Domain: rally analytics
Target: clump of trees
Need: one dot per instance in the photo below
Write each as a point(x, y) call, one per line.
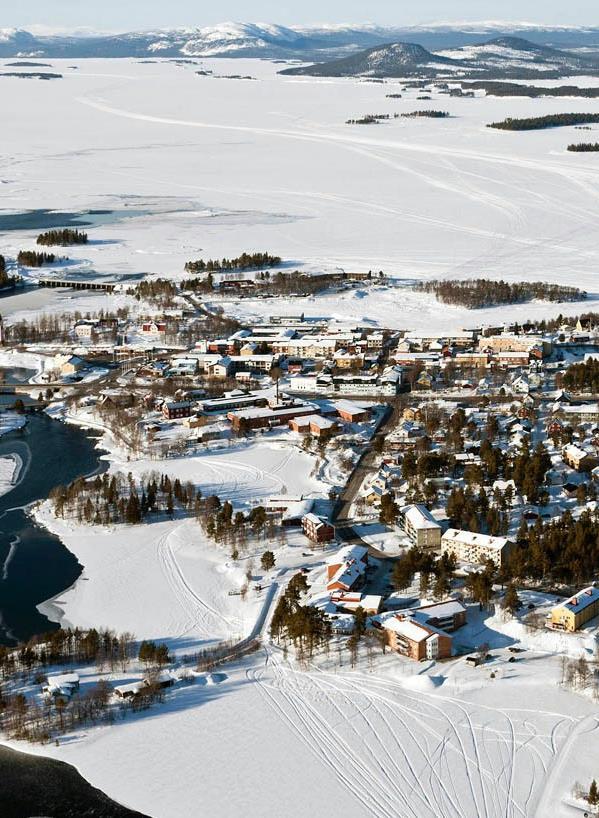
point(62, 238)
point(246, 261)
point(305, 626)
point(584, 147)
point(477, 293)
point(159, 291)
point(234, 528)
point(108, 499)
point(536, 123)
point(435, 574)
point(29, 258)
point(583, 377)
point(368, 119)
point(431, 114)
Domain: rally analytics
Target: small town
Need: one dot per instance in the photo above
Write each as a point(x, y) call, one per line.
point(299, 410)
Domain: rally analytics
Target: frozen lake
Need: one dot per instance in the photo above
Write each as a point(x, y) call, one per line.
point(224, 165)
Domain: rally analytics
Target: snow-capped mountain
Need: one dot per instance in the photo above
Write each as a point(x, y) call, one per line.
point(274, 41)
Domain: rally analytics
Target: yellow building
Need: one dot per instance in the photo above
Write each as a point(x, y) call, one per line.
point(574, 612)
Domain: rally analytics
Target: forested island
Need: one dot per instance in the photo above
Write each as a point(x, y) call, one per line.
point(536, 123)
point(29, 258)
point(584, 147)
point(62, 238)
point(32, 75)
point(431, 114)
point(246, 261)
point(497, 88)
point(478, 293)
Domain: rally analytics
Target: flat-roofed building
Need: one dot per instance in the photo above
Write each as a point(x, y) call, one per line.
point(469, 546)
point(420, 526)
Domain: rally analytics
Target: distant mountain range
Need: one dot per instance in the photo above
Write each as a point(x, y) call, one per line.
point(278, 42)
point(501, 57)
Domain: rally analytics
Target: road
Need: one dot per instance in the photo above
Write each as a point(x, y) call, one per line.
point(363, 468)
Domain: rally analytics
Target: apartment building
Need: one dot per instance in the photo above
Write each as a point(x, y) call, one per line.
point(472, 547)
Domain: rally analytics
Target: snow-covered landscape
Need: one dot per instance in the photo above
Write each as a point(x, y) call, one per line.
point(221, 501)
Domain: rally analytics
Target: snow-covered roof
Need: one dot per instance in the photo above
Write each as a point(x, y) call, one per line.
point(63, 681)
point(472, 538)
point(581, 600)
point(420, 517)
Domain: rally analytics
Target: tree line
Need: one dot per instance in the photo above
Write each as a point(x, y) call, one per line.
point(477, 293)
point(62, 238)
point(512, 89)
point(536, 123)
point(431, 114)
point(246, 261)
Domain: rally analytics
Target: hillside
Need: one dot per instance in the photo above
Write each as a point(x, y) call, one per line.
point(501, 57)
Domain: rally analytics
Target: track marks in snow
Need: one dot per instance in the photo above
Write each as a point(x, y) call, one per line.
point(417, 755)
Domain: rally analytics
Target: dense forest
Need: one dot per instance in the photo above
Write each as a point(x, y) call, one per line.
point(246, 261)
point(431, 114)
point(583, 377)
point(512, 89)
point(536, 123)
point(584, 147)
point(477, 293)
point(62, 238)
point(29, 258)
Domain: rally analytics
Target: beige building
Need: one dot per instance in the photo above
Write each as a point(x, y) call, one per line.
point(472, 547)
point(576, 611)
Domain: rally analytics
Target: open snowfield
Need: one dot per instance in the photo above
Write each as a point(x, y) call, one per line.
point(225, 165)
point(447, 743)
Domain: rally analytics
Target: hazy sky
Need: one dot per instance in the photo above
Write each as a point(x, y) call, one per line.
point(121, 15)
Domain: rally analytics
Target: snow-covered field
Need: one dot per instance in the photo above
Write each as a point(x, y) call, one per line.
point(225, 165)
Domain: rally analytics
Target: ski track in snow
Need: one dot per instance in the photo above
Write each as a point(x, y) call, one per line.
point(419, 755)
point(199, 613)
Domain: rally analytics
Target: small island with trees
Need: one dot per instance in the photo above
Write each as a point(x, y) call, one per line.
point(584, 147)
point(246, 261)
point(62, 238)
point(29, 258)
point(537, 123)
point(478, 293)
